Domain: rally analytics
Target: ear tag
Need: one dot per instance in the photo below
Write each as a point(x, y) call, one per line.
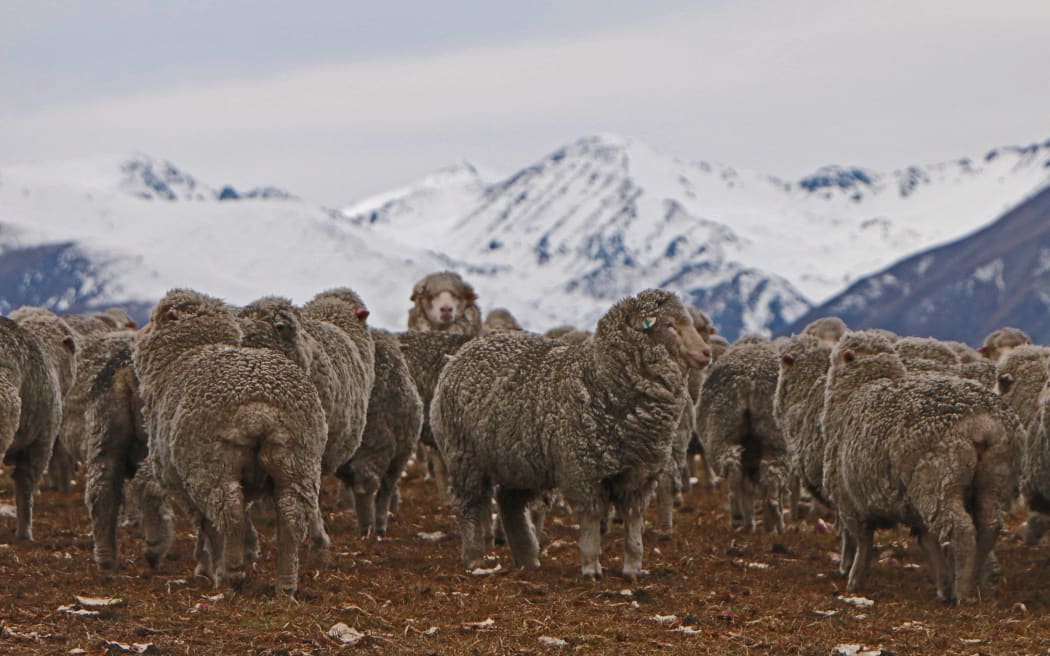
point(648, 323)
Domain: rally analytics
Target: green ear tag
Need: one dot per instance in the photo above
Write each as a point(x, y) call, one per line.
point(647, 323)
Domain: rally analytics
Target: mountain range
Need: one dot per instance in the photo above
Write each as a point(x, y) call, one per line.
point(555, 242)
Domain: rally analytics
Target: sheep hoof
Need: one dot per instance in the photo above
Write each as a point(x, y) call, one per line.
point(105, 564)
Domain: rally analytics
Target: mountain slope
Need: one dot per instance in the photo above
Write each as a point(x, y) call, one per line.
point(110, 231)
point(998, 276)
point(607, 216)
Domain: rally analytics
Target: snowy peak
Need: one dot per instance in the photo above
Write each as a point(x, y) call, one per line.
point(153, 179)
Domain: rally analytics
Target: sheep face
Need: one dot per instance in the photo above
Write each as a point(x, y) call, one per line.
point(669, 325)
point(443, 298)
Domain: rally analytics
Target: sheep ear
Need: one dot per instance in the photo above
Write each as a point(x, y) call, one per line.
point(70, 344)
point(417, 291)
point(648, 323)
point(982, 349)
point(849, 356)
point(787, 360)
point(1005, 380)
point(171, 315)
point(361, 313)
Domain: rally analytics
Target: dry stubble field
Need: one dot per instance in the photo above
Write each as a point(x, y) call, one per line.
point(709, 590)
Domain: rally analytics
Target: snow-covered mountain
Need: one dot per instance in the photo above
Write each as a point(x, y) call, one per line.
point(557, 242)
point(606, 216)
point(109, 230)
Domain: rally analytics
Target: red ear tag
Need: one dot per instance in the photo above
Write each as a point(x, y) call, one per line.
point(361, 313)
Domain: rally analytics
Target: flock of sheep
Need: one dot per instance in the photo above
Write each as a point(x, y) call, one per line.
point(218, 407)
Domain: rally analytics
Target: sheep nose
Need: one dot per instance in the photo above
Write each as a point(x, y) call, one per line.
point(446, 309)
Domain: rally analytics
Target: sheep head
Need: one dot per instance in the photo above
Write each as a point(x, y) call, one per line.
point(443, 297)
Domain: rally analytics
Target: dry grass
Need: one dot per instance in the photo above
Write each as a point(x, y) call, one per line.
point(411, 596)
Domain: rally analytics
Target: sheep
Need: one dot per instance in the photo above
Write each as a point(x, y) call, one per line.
point(1021, 376)
point(829, 329)
point(1000, 342)
point(797, 407)
point(499, 319)
point(741, 436)
point(675, 481)
point(1035, 479)
point(596, 421)
point(30, 413)
point(718, 345)
point(392, 427)
point(343, 379)
point(936, 453)
point(60, 341)
point(444, 302)
point(964, 352)
point(426, 354)
point(227, 424)
point(115, 445)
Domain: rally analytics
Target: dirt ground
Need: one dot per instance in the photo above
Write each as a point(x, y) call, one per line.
point(709, 590)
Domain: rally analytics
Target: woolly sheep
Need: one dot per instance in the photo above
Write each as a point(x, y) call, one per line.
point(60, 342)
point(797, 407)
point(1035, 478)
point(499, 319)
point(718, 346)
point(1000, 342)
point(829, 329)
point(228, 424)
point(1021, 376)
point(114, 444)
point(30, 413)
point(444, 302)
point(739, 433)
point(394, 420)
point(934, 452)
point(595, 421)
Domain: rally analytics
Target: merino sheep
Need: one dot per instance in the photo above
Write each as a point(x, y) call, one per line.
point(798, 405)
point(1021, 376)
point(829, 329)
point(115, 445)
point(444, 302)
point(30, 414)
point(741, 436)
point(499, 319)
point(595, 421)
point(936, 453)
point(60, 341)
point(1035, 478)
point(1000, 342)
point(703, 323)
point(718, 346)
point(228, 424)
point(395, 417)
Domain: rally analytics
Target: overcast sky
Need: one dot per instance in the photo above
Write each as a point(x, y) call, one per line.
point(338, 100)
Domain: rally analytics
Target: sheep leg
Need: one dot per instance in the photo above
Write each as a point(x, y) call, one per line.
point(939, 569)
point(104, 495)
point(521, 536)
point(233, 535)
point(158, 526)
point(772, 514)
point(632, 511)
point(538, 514)
point(61, 469)
point(251, 536)
point(209, 551)
point(384, 503)
point(29, 468)
point(474, 517)
point(441, 479)
point(742, 500)
point(965, 555)
point(847, 548)
point(665, 504)
point(858, 573)
point(318, 534)
point(795, 498)
point(591, 543)
point(365, 504)
point(295, 511)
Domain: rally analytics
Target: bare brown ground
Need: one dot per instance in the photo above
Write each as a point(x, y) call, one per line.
point(737, 594)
